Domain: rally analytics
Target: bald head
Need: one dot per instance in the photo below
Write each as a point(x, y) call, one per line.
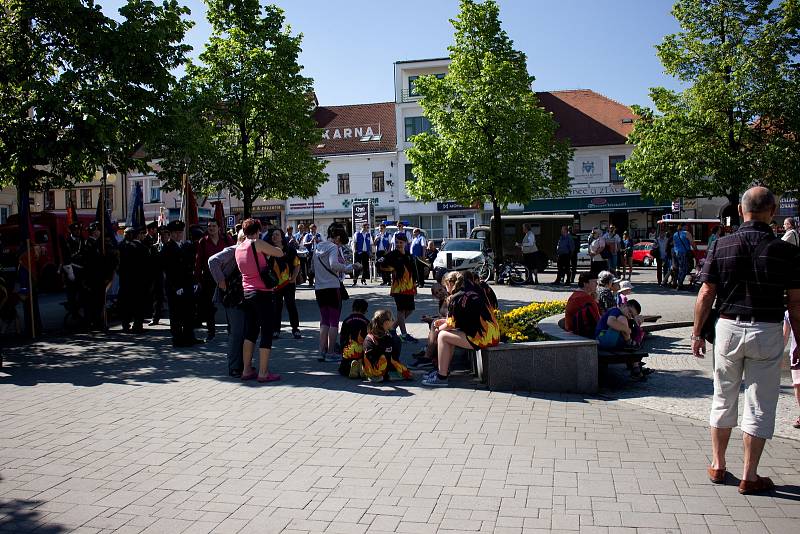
point(758, 203)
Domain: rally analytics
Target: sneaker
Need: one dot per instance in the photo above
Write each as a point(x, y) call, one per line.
point(410, 338)
point(330, 357)
point(363, 282)
point(433, 380)
point(431, 373)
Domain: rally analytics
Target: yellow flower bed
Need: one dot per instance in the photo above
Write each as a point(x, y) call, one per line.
point(521, 324)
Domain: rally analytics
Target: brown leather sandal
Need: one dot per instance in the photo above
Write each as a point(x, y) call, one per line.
point(717, 476)
point(759, 485)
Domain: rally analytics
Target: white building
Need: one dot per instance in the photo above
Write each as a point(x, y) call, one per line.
point(359, 145)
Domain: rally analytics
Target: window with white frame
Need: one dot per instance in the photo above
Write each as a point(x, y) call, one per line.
point(344, 183)
point(378, 183)
point(86, 198)
point(155, 191)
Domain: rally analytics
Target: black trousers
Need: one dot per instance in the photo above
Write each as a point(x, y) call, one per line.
point(287, 294)
point(598, 266)
point(132, 301)
point(420, 271)
point(573, 260)
point(563, 268)
point(157, 294)
point(363, 259)
point(385, 275)
point(181, 316)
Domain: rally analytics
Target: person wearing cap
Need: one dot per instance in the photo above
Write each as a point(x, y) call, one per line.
point(133, 278)
point(623, 292)
point(582, 313)
point(404, 284)
point(178, 258)
point(155, 283)
point(605, 290)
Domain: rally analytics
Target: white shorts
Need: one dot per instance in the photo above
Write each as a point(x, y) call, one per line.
point(753, 352)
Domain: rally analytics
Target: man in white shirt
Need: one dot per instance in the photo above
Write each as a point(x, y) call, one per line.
point(529, 250)
point(790, 235)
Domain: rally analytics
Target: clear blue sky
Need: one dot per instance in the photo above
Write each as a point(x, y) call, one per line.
point(349, 46)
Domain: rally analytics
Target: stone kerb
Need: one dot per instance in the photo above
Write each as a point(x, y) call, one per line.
point(566, 364)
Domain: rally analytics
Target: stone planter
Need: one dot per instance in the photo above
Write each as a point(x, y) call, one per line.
point(567, 363)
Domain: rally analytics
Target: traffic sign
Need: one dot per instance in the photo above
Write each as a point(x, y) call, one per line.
point(231, 221)
point(676, 206)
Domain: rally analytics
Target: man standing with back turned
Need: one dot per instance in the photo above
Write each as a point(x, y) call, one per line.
point(748, 273)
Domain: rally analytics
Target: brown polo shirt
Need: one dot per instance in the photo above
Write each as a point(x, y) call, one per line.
point(752, 269)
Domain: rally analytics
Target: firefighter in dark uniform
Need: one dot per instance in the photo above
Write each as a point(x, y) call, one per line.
point(178, 257)
point(155, 274)
point(94, 279)
point(71, 250)
point(133, 280)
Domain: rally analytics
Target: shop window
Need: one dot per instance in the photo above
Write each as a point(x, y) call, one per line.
point(49, 200)
point(70, 198)
point(155, 191)
point(416, 125)
point(86, 198)
point(612, 168)
point(378, 183)
point(344, 183)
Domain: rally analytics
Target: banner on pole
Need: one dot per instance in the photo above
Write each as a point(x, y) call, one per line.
point(363, 213)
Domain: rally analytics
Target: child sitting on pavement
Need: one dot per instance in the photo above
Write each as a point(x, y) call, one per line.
point(351, 339)
point(382, 351)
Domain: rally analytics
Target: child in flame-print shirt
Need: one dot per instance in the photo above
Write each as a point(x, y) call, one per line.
point(404, 282)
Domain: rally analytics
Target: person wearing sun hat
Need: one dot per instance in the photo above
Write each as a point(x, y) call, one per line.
point(623, 292)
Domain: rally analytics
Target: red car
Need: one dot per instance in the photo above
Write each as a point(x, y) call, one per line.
point(641, 254)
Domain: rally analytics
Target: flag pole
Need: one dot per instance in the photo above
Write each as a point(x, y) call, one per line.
point(30, 290)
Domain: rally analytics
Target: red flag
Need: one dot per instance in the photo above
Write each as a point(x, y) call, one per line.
point(219, 213)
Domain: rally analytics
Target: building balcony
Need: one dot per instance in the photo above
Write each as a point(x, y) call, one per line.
point(408, 96)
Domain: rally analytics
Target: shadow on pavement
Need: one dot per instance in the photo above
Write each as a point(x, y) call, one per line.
point(19, 515)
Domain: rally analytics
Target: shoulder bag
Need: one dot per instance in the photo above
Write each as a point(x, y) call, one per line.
point(234, 294)
point(708, 330)
point(343, 294)
point(267, 275)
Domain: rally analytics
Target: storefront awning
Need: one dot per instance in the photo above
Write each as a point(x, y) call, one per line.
point(599, 203)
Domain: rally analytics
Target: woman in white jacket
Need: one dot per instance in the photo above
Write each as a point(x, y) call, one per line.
point(329, 267)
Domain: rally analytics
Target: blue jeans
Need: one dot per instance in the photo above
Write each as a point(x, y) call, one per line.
point(236, 323)
point(683, 266)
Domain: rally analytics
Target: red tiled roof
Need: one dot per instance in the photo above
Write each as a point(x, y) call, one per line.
point(587, 118)
point(344, 126)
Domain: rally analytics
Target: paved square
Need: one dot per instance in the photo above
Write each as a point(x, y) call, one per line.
point(122, 434)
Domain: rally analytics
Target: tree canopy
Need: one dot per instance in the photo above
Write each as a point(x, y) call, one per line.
point(490, 141)
point(79, 90)
point(738, 119)
point(243, 118)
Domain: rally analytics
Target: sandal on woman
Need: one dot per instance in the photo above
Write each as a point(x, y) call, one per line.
point(269, 378)
point(717, 476)
point(759, 485)
point(249, 376)
point(797, 423)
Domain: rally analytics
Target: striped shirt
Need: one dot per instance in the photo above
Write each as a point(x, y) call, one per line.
point(747, 285)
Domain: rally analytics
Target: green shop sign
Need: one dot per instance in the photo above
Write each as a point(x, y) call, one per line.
point(598, 203)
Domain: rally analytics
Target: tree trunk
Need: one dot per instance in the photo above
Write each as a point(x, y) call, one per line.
point(247, 203)
point(497, 233)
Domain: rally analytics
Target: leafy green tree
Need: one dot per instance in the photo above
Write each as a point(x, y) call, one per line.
point(491, 141)
point(243, 120)
point(79, 90)
point(737, 121)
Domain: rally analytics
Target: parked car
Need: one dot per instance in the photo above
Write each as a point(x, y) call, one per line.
point(641, 254)
point(465, 254)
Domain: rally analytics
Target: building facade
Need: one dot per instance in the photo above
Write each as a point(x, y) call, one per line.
point(359, 145)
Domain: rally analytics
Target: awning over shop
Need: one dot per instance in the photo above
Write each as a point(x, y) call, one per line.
point(599, 203)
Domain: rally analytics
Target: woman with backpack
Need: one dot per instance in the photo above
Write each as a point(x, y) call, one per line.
point(252, 258)
point(286, 270)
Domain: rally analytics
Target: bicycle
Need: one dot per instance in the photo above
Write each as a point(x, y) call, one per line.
point(512, 273)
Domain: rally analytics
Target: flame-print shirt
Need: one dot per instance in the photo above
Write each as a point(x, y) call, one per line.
point(404, 276)
point(469, 311)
